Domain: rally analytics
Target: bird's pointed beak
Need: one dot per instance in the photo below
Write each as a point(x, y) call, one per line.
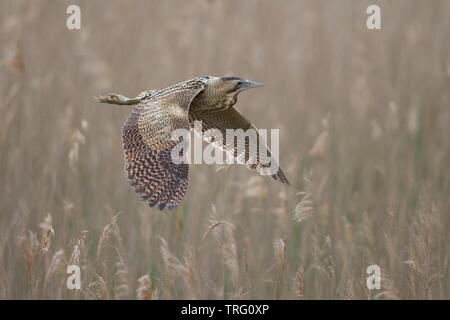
point(247, 84)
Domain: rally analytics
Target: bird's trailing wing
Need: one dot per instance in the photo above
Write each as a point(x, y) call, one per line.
point(251, 155)
point(148, 146)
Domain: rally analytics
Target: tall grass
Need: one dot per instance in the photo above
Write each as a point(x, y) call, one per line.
point(363, 118)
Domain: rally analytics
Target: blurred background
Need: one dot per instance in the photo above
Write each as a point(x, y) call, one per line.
point(364, 139)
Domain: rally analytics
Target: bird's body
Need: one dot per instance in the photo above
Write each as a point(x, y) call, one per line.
point(148, 130)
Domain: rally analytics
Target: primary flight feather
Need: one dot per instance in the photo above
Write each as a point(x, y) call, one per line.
point(157, 113)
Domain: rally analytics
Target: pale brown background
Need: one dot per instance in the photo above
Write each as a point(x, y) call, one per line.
point(364, 131)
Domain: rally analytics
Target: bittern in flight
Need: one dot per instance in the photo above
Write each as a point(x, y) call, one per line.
point(157, 113)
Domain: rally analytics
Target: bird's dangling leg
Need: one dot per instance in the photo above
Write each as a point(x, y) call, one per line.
point(114, 98)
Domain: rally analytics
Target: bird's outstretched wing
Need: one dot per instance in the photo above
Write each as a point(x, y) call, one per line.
point(147, 144)
point(231, 118)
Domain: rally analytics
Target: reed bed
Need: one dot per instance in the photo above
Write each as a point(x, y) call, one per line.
point(364, 139)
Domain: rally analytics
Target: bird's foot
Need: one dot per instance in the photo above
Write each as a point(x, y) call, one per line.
point(114, 98)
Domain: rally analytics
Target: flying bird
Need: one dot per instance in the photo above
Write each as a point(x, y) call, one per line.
point(146, 134)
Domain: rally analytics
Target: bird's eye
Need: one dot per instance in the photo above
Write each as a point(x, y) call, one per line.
point(239, 82)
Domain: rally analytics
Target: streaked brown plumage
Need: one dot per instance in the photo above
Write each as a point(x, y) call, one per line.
point(147, 132)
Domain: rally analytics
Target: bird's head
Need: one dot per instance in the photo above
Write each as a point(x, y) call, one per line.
point(229, 85)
